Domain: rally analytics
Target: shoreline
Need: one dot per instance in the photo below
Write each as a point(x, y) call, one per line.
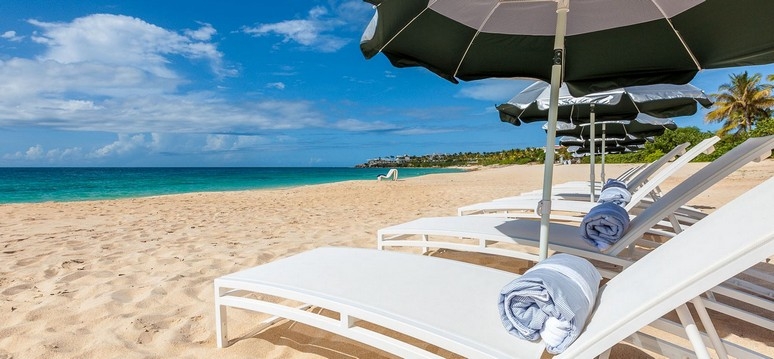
point(55, 184)
point(133, 277)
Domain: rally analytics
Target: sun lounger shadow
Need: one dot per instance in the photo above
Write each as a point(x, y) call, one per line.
point(452, 305)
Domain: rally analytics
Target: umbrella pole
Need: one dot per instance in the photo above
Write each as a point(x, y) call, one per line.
point(562, 7)
point(602, 173)
point(592, 152)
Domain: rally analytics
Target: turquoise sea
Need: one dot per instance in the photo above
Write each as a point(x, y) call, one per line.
point(22, 185)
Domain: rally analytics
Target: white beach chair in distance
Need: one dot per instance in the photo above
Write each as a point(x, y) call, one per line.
point(453, 305)
point(391, 174)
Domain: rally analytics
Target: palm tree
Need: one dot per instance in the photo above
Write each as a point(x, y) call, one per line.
point(741, 103)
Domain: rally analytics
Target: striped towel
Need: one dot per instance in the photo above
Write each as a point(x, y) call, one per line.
point(617, 195)
point(552, 301)
point(614, 183)
point(604, 225)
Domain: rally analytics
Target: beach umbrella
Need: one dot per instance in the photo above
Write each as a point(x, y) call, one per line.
point(592, 45)
point(626, 103)
point(621, 104)
point(599, 143)
point(642, 126)
point(578, 151)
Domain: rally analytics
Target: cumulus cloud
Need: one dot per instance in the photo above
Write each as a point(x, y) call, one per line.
point(120, 74)
point(204, 33)
point(125, 41)
point(39, 154)
point(362, 126)
point(116, 73)
point(315, 30)
point(276, 85)
point(11, 36)
point(139, 145)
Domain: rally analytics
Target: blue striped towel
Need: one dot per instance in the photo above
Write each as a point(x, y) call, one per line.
point(617, 195)
point(614, 183)
point(551, 301)
point(604, 225)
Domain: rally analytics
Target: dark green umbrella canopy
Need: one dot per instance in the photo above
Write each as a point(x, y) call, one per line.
point(608, 142)
point(644, 126)
point(608, 44)
point(660, 100)
point(584, 151)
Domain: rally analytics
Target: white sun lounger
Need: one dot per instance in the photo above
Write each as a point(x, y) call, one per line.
point(453, 305)
point(563, 237)
point(518, 238)
point(527, 206)
point(657, 171)
point(581, 188)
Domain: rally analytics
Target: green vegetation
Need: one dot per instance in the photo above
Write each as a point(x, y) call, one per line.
point(745, 106)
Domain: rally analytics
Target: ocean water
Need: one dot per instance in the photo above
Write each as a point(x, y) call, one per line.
point(24, 185)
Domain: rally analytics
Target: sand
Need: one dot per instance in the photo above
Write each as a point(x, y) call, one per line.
point(133, 278)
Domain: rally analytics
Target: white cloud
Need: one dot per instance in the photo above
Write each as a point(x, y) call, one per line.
point(204, 33)
point(38, 154)
point(312, 32)
point(11, 36)
point(362, 126)
point(114, 73)
point(34, 153)
point(124, 41)
point(124, 145)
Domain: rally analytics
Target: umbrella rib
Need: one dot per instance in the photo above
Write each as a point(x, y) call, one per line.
point(470, 43)
point(403, 28)
point(478, 30)
point(677, 33)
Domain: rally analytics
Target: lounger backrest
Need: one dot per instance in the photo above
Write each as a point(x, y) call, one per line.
point(752, 149)
point(641, 177)
point(727, 242)
point(705, 146)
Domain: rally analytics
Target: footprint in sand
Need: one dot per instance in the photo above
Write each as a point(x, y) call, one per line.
point(17, 289)
point(122, 296)
point(27, 261)
point(51, 272)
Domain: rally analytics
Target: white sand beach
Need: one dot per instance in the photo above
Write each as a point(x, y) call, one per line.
point(133, 278)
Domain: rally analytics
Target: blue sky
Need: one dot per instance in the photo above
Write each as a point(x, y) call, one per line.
point(232, 83)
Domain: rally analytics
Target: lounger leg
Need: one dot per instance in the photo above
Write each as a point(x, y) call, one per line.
point(709, 328)
point(675, 224)
point(692, 331)
point(221, 332)
point(425, 238)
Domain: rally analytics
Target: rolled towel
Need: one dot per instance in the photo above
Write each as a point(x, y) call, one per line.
point(614, 183)
point(617, 195)
point(604, 225)
point(551, 301)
